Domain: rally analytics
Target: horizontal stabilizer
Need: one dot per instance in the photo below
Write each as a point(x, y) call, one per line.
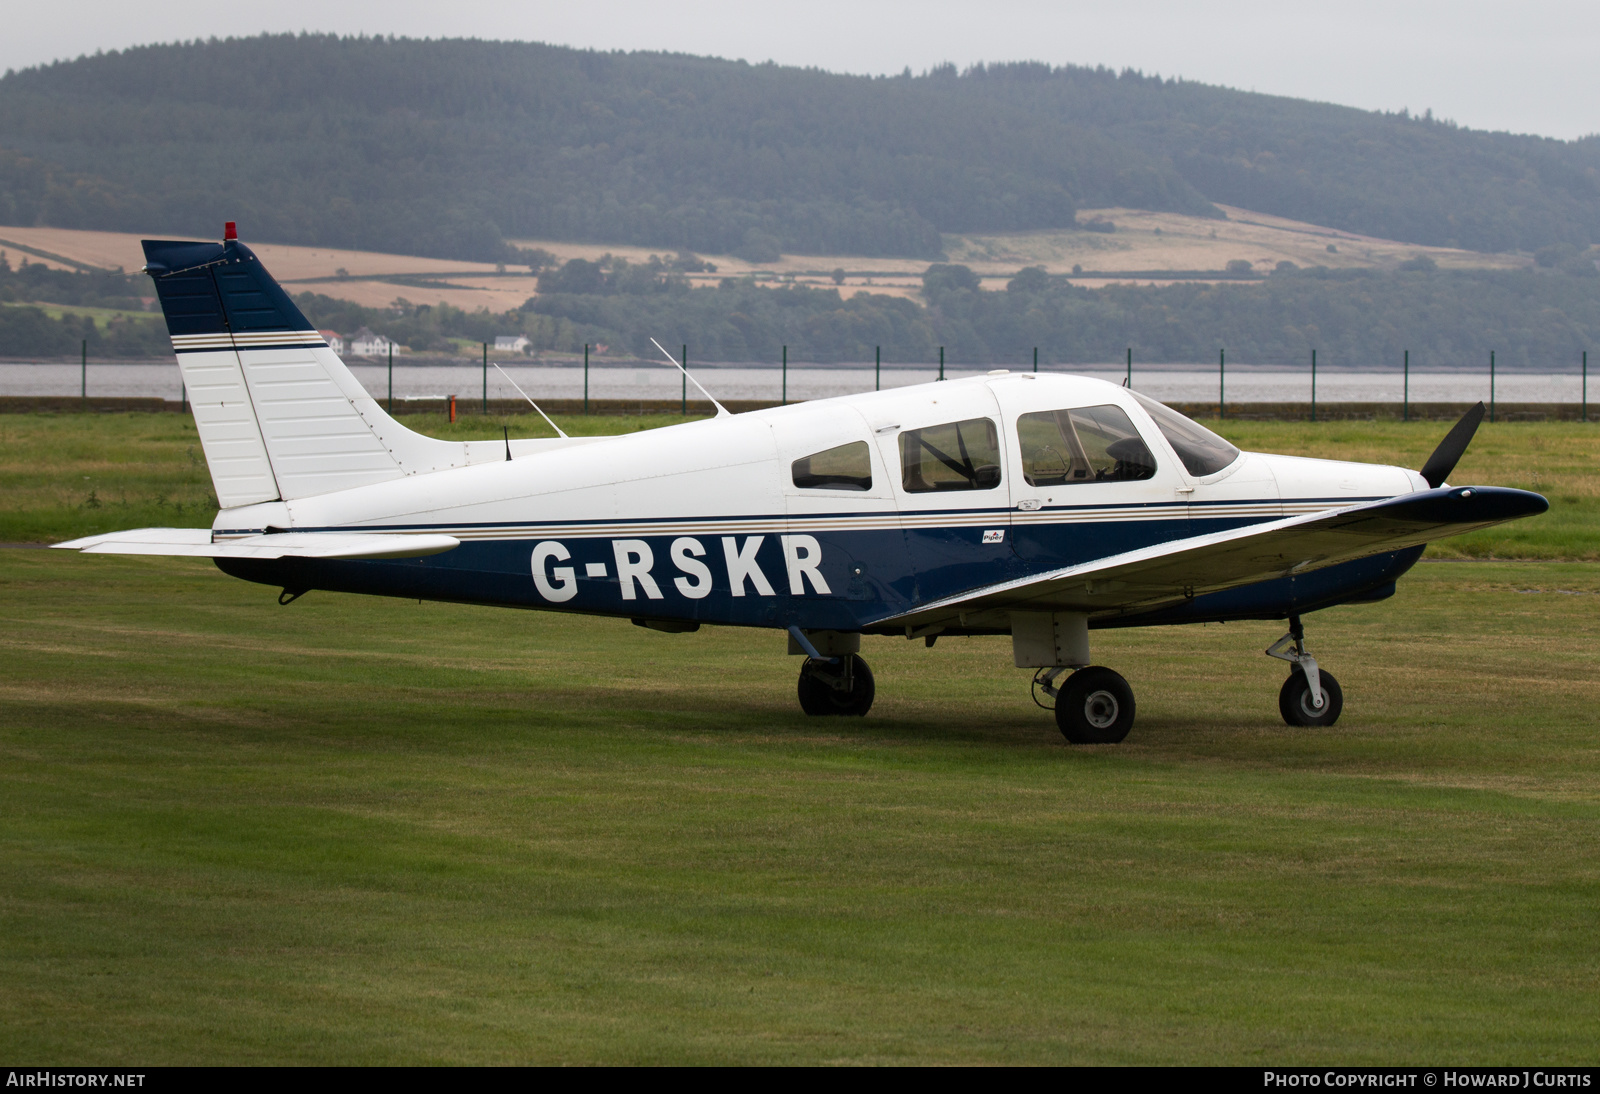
point(1177, 571)
point(196, 542)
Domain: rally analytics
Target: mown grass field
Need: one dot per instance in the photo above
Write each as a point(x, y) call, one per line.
point(373, 831)
point(364, 831)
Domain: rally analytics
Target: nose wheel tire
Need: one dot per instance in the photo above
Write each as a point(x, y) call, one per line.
point(835, 689)
point(1294, 700)
point(1094, 707)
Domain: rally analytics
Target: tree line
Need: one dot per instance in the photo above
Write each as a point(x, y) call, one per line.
point(30, 331)
point(1535, 318)
point(1542, 317)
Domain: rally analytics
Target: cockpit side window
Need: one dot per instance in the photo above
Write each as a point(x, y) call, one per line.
point(1085, 444)
point(1202, 451)
point(847, 467)
point(958, 456)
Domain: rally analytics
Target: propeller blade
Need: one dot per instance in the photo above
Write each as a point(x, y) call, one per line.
point(1452, 448)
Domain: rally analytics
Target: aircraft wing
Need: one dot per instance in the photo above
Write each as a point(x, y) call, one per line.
point(1173, 572)
point(197, 542)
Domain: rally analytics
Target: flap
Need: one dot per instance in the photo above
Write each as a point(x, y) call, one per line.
point(196, 542)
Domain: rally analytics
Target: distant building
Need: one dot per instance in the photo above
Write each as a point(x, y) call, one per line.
point(518, 344)
point(334, 339)
point(364, 343)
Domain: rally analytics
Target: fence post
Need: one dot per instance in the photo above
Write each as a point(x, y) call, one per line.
point(1036, 360)
point(877, 368)
point(941, 362)
point(1222, 392)
point(486, 378)
point(1405, 396)
point(1128, 383)
point(586, 379)
point(84, 378)
point(785, 375)
point(683, 380)
point(391, 377)
point(1313, 385)
point(1586, 385)
point(1491, 385)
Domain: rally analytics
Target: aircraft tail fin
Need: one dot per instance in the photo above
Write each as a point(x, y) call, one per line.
point(279, 414)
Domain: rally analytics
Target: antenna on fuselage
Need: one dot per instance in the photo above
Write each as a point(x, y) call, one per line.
point(531, 403)
point(722, 411)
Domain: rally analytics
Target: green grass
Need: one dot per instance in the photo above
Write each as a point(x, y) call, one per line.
point(1560, 460)
point(67, 475)
point(368, 831)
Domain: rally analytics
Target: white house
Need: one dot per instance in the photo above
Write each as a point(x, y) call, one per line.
point(518, 344)
point(334, 339)
point(364, 343)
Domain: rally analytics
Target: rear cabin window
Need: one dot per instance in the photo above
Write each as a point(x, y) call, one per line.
point(1202, 451)
point(959, 456)
point(1085, 444)
point(848, 467)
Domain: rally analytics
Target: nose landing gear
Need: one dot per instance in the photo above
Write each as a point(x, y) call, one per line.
point(1310, 697)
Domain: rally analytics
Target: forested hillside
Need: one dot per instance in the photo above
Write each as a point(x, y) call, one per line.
point(450, 148)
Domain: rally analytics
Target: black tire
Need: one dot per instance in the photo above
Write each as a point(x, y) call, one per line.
point(818, 696)
point(1095, 707)
point(1294, 700)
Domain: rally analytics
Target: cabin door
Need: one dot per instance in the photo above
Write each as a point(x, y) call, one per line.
point(1089, 481)
point(948, 456)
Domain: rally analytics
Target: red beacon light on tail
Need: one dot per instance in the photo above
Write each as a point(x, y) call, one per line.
point(230, 231)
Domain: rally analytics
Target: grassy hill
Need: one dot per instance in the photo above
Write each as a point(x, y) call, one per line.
point(450, 148)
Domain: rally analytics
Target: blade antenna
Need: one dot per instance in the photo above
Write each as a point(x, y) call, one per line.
point(1452, 448)
point(722, 411)
point(524, 394)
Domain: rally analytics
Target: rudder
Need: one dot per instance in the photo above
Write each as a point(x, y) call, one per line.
point(279, 415)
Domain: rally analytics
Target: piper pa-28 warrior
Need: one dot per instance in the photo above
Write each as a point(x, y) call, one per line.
point(1040, 507)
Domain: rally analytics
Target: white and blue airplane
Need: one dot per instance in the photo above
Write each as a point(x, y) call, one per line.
point(1042, 507)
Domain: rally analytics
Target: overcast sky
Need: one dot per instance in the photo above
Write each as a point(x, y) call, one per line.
point(1531, 67)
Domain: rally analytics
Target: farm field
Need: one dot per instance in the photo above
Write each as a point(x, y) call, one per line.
point(356, 830)
point(1143, 241)
point(68, 475)
point(1172, 241)
point(101, 316)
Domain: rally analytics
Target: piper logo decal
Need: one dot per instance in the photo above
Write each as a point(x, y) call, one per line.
point(994, 535)
point(635, 562)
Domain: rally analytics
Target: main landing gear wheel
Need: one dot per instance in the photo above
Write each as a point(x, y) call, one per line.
point(1296, 705)
point(1094, 707)
point(843, 687)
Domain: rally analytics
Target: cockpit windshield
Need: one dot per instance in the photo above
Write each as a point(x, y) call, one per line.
point(1202, 451)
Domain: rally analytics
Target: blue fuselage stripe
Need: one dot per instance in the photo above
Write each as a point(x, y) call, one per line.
point(755, 578)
